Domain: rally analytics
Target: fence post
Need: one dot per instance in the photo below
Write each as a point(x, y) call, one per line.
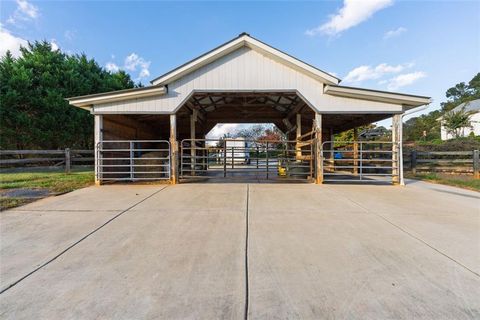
point(476, 164)
point(413, 162)
point(67, 160)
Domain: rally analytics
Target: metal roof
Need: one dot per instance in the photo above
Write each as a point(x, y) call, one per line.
point(470, 106)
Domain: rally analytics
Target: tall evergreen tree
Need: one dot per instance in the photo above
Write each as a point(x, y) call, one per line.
point(33, 111)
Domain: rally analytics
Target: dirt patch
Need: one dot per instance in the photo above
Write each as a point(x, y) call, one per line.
point(25, 193)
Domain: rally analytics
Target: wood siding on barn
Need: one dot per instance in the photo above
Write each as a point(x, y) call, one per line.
point(246, 70)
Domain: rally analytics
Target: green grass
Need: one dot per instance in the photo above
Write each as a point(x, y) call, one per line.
point(55, 182)
point(462, 181)
point(9, 202)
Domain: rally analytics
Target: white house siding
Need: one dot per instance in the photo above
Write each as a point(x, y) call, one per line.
point(246, 69)
point(464, 132)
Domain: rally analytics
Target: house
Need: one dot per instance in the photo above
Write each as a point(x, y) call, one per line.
point(473, 107)
point(159, 131)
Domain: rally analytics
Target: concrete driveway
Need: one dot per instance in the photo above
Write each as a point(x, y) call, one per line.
point(232, 251)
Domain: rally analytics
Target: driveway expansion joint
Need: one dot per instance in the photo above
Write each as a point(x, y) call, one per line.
point(246, 256)
point(76, 243)
point(413, 236)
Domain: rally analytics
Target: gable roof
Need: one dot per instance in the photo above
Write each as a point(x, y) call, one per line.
point(88, 100)
point(244, 39)
point(409, 100)
point(470, 106)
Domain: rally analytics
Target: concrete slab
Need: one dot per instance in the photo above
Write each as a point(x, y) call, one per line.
point(447, 218)
point(315, 263)
point(332, 251)
point(149, 263)
point(30, 238)
point(103, 198)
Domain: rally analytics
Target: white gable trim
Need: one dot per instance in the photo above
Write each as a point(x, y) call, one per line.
point(252, 43)
point(375, 95)
point(88, 101)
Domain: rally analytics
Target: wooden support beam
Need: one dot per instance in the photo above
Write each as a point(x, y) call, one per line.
point(355, 151)
point(193, 152)
point(174, 150)
point(298, 149)
point(318, 149)
point(332, 146)
point(297, 109)
point(98, 133)
point(396, 142)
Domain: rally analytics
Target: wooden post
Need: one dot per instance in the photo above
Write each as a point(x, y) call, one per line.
point(224, 158)
point(318, 149)
point(355, 151)
point(193, 151)
point(67, 160)
point(332, 145)
point(476, 164)
point(174, 149)
point(299, 133)
point(266, 156)
point(413, 162)
point(98, 134)
point(396, 141)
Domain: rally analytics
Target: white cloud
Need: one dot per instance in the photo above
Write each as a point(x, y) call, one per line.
point(133, 63)
point(221, 129)
point(394, 33)
point(54, 45)
point(365, 72)
point(25, 11)
point(351, 14)
point(10, 43)
point(69, 35)
point(112, 67)
point(404, 80)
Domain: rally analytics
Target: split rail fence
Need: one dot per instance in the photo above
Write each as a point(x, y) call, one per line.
point(465, 162)
point(52, 158)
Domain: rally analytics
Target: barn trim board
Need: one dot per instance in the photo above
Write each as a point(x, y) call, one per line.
point(243, 81)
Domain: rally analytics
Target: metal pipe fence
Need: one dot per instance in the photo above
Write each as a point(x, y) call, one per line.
point(366, 161)
point(133, 160)
point(235, 158)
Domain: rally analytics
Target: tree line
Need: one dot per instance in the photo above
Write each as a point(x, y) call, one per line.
point(33, 111)
point(35, 115)
point(427, 126)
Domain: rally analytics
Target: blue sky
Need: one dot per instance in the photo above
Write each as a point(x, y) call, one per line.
point(418, 47)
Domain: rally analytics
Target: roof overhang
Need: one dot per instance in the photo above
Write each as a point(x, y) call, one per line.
point(252, 43)
point(86, 102)
point(407, 100)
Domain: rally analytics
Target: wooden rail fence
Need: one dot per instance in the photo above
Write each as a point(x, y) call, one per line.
point(66, 157)
point(444, 161)
point(415, 161)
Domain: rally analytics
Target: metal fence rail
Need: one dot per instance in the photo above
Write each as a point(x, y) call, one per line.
point(233, 158)
point(133, 160)
point(366, 161)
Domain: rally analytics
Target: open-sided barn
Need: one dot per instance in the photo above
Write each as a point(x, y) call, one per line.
point(159, 131)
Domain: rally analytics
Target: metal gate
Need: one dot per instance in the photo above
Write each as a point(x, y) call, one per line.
point(133, 160)
point(366, 161)
point(246, 158)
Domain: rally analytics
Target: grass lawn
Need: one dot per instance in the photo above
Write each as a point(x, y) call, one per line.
point(456, 180)
point(53, 182)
